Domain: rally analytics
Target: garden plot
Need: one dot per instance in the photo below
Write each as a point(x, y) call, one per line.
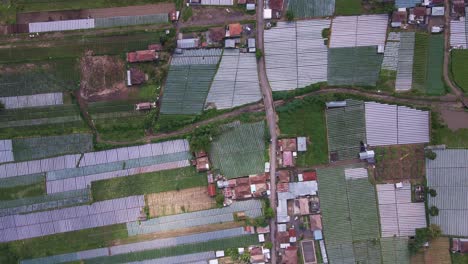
point(350, 217)
point(435, 63)
point(42, 147)
point(23, 226)
point(35, 100)
point(404, 78)
point(295, 54)
point(240, 150)
point(236, 81)
point(6, 151)
point(392, 124)
point(395, 250)
point(398, 215)
point(354, 66)
point(346, 130)
point(252, 209)
point(312, 8)
point(122, 162)
point(358, 31)
point(458, 36)
point(177, 202)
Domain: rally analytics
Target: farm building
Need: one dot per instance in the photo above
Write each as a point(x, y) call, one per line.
point(307, 176)
point(399, 18)
point(418, 15)
point(460, 245)
point(145, 106)
point(135, 76)
point(287, 144)
point(142, 56)
point(399, 216)
point(293, 191)
point(283, 175)
point(407, 3)
point(301, 144)
point(290, 256)
point(404, 76)
point(35, 100)
point(216, 35)
point(315, 222)
point(447, 174)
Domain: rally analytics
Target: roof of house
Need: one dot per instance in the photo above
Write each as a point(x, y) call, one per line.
point(211, 189)
point(276, 5)
point(242, 191)
point(439, 2)
point(283, 175)
point(142, 55)
point(304, 208)
point(203, 164)
point(156, 47)
point(290, 256)
point(287, 144)
point(460, 245)
point(315, 222)
point(438, 11)
point(399, 16)
point(243, 180)
point(282, 187)
point(419, 11)
point(292, 232)
point(283, 237)
point(288, 159)
point(263, 230)
point(235, 29)
point(229, 43)
point(137, 76)
point(188, 43)
point(309, 175)
point(256, 179)
point(241, 2)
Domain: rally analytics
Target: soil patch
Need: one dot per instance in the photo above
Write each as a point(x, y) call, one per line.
point(102, 78)
point(215, 16)
point(399, 162)
point(438, 252)
point(177, 202)
point(455, 119)
point(25, 18)
point(21, 68)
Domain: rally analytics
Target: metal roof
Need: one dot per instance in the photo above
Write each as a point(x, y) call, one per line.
point(6, 151)
point(34, 100)
point(188, 43)
point(358, 31)
point(407, 3)
point(218, 2)
point(61, 25)
point(448, 175)
point(301, 144)
point(398, 215)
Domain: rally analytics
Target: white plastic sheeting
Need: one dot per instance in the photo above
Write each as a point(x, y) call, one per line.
point(458, 34)
point(109, 212)
point(404, 78)
point(358, 31)
point(390, 60)
point(391, 125)
point(196, 57)
point(295, 54)
point(398, 215)
point(6, 151)
point(236, 81)
point(218, 2)
point(34, 100)
point(61, 25)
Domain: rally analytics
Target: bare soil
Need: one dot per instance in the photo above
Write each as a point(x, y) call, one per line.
point(438, 252)
point(215, 16)
point(102, 78)
point(177, 202)
point(400, 162)
point(455, 119)
point(24, 18)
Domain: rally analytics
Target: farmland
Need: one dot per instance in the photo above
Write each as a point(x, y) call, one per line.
point(18, 192)
point(154, 182)
point(460, 69)
point(312, 8)
point(306, 118)
point(420, 61)
point(29, 6)
point(348, 7)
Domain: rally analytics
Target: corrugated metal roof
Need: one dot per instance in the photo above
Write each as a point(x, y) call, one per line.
point(218, 2)
point(358, 31)
point(458, 35)
point(448, 175)
point(407, 3)
point(61, 25)
point(357, 173)
point(6, 151)
point(188, 43)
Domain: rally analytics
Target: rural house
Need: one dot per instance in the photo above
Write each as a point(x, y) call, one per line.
point(142, 56)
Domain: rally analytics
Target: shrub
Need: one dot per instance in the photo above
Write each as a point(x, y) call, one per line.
point(233, 253)
point(268, 245)
point(1, 106)
point(326, 33)
point(259, 54)
point(269, 213)
point(201, 137)
point(290, 15)
point(219, 200)
point(187, 14)
point(432, 192)
point(434, 211)
point(430, 154)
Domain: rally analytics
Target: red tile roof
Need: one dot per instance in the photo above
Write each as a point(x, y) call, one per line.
point(255, 179)
point(142, 55)
point(282, 187)
point(292, 232)
point(156, 47)
point(309, 176)
point(211, 190)
point(283, 175)
point(235, 30)
point(276, 5)
point(419, 11)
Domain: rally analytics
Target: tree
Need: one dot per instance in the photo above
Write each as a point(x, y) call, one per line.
point(433, 211)
point(268, 245)
point(201, 138)
point(219, 200)
point(269, 213)
point(290, 15)
point(233, 253)
point(430, 154)
point(432, 192)
point(259, 54)
point(245, 257)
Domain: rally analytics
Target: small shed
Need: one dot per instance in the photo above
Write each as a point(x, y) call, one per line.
point(460, 245)
point(145, 106)
point(301, 144)
point(261, 238)
point(230, 43)
point(399, 18)
point(315, 222)
point(267, 13)
point(250, 7)
point(438, 11)
point(251, 44)
point(234, 30)
point(190, 43)
point(318, 235)
point(283, 175)
point(309, 175)
point(290, 256)
point(202, 164)
point(219, 253)
point(287, 144)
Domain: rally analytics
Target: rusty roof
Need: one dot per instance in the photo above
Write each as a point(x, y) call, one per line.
point(255, 179)
point(419, 11)
point(276, 5)
point(309, 176)
point(288, 159)
point(288, 144)
point(235, 30)
point(142, 55)
point(315, 222)
point(283, 175)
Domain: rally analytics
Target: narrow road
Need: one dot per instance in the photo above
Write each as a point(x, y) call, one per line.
point(271, 120)
point(455, 89)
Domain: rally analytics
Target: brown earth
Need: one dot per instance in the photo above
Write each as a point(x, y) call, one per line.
point(215, 16)
point(102, 78)
point(437, 253)
point(399, 162)
point(178, 232)
point(177, 202)
point(455, 119)
point(24, 18)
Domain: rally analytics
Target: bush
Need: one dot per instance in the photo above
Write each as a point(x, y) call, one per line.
point(432, 192)
point(326, 33)
point(219, 200)
point(269, 213)
point(1, 106)
point(233, 253)
point(290, 15)
point(268, 245)
point(259, 54)
point(200, 139)
point(430, 154)
point(433, 211)
point(187, 14)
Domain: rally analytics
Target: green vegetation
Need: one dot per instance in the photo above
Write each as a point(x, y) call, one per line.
point(306, 118)
point(290, 15)
point(219, 244)
point(284, 95)
point(387, 80)
point(441, 134)
point(422, 236)
point(187, 13)
point(433, 211)
point(63, 243)
point(459, 68)
point(179, 4)
point(430, 154)
point(326, 33)
point(18, 192)
point(7, 12)
point(154, 182)
point(435, 64)
point(121, 129)
point(348, 7)
point(459, 258)
point(258, 54)
point(420, 61)
point(44, 130)
point(200, 139)
point(49, 5)
point(432, 192)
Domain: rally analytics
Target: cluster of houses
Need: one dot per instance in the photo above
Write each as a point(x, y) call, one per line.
point(288, 148)
point(429, 14)
point(258, 254)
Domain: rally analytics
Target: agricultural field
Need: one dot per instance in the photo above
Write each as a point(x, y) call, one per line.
point(43, 147)
point(399, 162)
point(49, 5)
point(459, 258)
point(460, 69)
point(154, 182)
point(23, 191)
point(306, 118)
point(441, 134)
point(240, 149)
point(428, 64)
point(348, 7)
point(179, 201)
point(420, 61)
point(311, 8)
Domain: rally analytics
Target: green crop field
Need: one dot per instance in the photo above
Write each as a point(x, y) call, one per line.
point(395, 250)
point(435, 64)
point(240, 150)
point(348, 7)
point(311, 8)
point(459, 258)
point(154, 182)
point(18, 192)
point(460, 68)
point(63, 243)
point(49, 5)
point(420, 61)
point(219, 244)
point(306, 118)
